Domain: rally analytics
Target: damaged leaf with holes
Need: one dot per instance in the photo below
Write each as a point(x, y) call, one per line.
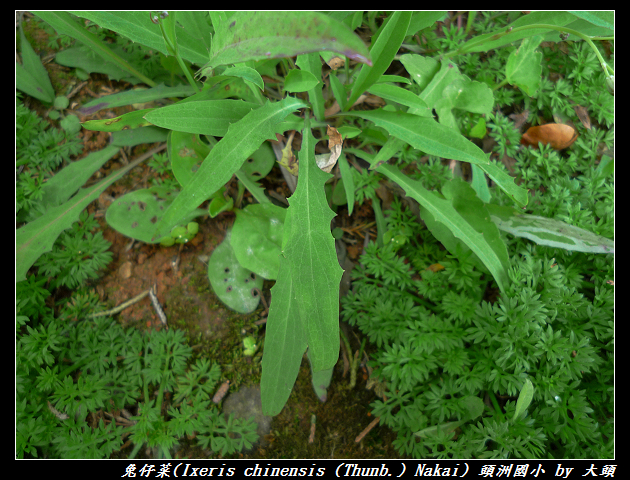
point(136, 214)
point(235, 285)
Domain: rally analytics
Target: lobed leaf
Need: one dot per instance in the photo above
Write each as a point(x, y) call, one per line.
point(305, 308)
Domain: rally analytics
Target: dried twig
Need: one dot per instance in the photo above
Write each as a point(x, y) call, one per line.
point(367, 429)
point(311, 437)
point(157, 306)
point(120, 307)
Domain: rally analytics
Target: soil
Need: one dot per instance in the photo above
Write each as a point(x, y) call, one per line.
point(213, 330)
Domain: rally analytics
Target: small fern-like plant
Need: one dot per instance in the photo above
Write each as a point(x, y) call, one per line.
point(73, 378)
point(438, 342)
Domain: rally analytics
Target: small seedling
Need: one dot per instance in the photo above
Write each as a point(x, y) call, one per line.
point(249, 346)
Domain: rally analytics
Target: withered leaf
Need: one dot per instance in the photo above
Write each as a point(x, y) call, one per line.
point(335, 142)
point(336, 62)
point(582, 114)
point(557, 135)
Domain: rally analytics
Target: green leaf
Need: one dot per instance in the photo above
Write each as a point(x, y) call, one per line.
point(348, 181)
point(425, 134)
point(299, 81)
point(402, 96)
point(305, 307)
point(490, 41)
point(246, 73)
point(129, 138)
point(260, 35)
point(434, 139)
point(84, 60)
point(233, 284)
point(136, 213)
point(66, 182)
point(127, 121)
point(311, 64)
point(604, 19)
point(241, 140)
point(444, 88)
point(443, 78)
point(38, 236)
point(421, 69)
point(62, 22)
point(257, 238)
point(211, 117)
point(464, 200)
point(31, 77)
point(444, 212)
point(421, 20)
point(463, 94)
point(137, 26)
point(186, 152)
point(524, 399)
point(506, 183)
point(524, 68)
point(139, 95)
point(383, 52)
point(549, 232)
point(479, 130)
point(339, 90)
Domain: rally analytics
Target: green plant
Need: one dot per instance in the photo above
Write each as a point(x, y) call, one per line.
point(304, 311)
point(66, 370)
point(438, 344)
point(78, 254)
point(40, 150)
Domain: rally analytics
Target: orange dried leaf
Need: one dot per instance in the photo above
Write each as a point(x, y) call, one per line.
point(557, 135)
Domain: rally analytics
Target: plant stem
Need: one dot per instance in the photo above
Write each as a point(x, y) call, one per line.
point(496, 406)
